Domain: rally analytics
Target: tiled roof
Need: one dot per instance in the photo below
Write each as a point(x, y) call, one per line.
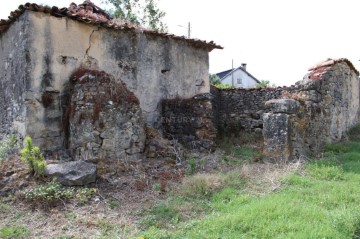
point(223, 73)
point(89, 13)
point(321, 68)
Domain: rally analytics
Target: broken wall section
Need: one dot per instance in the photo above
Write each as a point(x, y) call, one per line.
point(103, 119)
point(242, 109)
point(190, 121)
point(324, 107)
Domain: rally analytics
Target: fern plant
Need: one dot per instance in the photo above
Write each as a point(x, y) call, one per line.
point(33, 157)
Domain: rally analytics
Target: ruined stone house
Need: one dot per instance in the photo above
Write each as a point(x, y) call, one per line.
point(75, 78)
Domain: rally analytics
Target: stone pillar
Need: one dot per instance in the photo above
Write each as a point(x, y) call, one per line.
point(277, 147)
point(276, 129)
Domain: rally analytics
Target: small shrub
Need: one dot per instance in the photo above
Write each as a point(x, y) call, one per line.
point(114, 203)
point(201, 186)
point(34, 158)
point(234, 180)
point(156, 187)
point(192, 166)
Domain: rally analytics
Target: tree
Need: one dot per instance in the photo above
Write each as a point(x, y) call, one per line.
point(144, 12)
point(214, 79)
point(264, 84)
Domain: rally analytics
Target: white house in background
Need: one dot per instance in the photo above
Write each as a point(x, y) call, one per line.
point(238, 77)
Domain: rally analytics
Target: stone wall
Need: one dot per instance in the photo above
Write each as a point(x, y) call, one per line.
point(103, 118)
point(14, 78)
point(190, 121)
point(41, 52)
point(242, 109)
point(324, 107)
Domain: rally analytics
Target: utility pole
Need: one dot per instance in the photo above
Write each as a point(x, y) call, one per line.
point(188, 29)
point(232, 72)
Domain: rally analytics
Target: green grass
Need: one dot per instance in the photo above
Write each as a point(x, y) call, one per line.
point(14, 232)
point(323, 201)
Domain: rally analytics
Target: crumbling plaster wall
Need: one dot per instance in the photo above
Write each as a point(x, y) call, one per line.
point(152, 67)
point(14, 75)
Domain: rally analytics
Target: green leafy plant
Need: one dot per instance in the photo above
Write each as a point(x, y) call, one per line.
point(84, 194)
point(156, 187)
point(49, 192)
point(114, 203)
point(53, 192)
point(34, 158)
point(192, 166)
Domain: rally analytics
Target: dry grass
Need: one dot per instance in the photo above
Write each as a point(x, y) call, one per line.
point(263, 178)
point(201, 185)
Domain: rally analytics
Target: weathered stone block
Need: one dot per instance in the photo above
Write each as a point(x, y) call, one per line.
point(287, 106)
point(276, 137)
point(75, 173)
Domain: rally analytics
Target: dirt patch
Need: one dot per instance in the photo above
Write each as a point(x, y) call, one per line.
point(124, 191)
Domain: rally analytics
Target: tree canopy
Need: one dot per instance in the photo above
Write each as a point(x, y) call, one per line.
point(264, 84)
point(142, 12)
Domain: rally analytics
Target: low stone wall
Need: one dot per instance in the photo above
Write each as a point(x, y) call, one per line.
point(323, 108)
point(190, 121)
point(242, 109)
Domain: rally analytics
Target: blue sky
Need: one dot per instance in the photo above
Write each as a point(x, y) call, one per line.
point(279, 39)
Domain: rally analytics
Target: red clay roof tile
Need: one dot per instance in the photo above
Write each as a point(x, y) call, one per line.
point(321, 68)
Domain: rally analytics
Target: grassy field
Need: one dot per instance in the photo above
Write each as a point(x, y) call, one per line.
point(319, 199)
point(240, 198)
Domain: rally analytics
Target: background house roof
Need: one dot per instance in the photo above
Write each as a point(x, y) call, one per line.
point(224, 74)
point(89, 13)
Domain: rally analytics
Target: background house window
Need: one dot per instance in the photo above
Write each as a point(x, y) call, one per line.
point(239, 81)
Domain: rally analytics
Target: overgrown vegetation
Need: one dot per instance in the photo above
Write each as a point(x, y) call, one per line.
point(317, 199)
point(33, 157)
point(240, 198)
